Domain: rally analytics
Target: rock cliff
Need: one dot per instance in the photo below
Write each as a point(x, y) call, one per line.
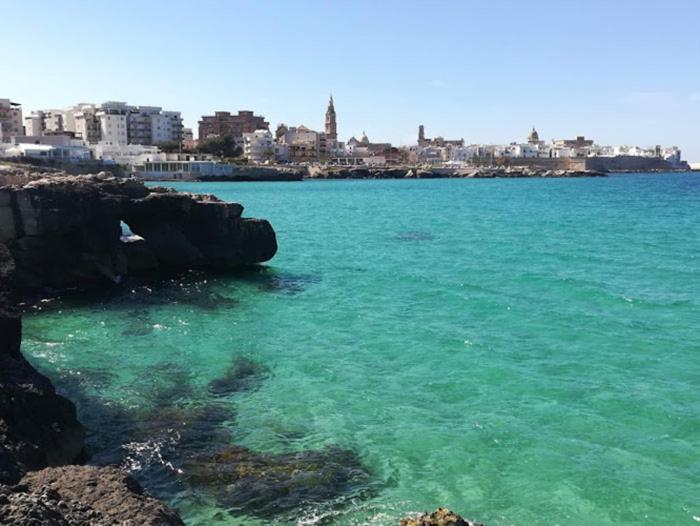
point(68, 231)
point(60, 231)
point(38, 428)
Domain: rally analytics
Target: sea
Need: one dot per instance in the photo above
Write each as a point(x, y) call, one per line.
point(524, 352)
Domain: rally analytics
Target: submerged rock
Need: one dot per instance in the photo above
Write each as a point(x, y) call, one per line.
point(104, 495)
point(440, 517)
point(269, 484)
point(414, 235)
point(243, 375)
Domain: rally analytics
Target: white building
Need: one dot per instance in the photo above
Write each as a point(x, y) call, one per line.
point(10, 120)
point(281, 153)
point(258, 146)
point(180, 167)
point(464, 153)
point(126, 155)
point(69, 153)
point(112, 119)
point(34, 123)
point(85, 121)
point(110, 122)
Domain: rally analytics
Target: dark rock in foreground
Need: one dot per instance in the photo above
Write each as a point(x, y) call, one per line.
point(440, 517)
point(80, 495)
point(268, 484)
point(65, 231)
point(38, 428)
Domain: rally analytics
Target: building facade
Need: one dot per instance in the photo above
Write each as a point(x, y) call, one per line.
point(258, 146)
point(223, 123)
point(112, 122)
point(10, 120)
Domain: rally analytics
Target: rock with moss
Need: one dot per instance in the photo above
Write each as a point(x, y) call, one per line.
point(268, 484)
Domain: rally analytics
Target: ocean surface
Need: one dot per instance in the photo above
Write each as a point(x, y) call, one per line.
point(525, 352)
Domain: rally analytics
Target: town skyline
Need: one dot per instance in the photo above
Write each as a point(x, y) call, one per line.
point(388, 72)
point(193, 123)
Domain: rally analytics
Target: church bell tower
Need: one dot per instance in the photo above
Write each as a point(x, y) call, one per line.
point(331, 126)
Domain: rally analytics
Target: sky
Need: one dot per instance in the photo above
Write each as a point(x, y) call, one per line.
point(620, 72)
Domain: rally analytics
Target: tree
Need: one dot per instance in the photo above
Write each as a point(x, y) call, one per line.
point(224, 146)
point(169, 146)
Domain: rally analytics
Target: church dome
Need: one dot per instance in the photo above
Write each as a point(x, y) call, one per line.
point(364, 139)
point(534, 136)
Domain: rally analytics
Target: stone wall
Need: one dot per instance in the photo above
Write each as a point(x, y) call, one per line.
point(628, 162)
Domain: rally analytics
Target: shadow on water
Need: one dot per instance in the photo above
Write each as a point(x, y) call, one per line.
point(269, 279)
point(193, 288)
point(136, 295)
point(414, 235)
point(180, 442)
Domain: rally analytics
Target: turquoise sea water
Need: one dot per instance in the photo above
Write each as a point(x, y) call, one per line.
point(525, 352)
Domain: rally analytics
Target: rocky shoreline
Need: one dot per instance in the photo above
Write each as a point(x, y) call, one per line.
point(59, 231)
point(445, 173)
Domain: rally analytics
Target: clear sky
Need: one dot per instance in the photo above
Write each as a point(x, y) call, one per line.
point(618, 71)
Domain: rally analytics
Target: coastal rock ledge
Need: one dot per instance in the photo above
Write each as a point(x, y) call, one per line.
point(81, 495)
point(69, 231)
point(440, 517)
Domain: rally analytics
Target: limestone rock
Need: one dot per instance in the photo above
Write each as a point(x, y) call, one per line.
point(440, 517)
point(102, 495)
point(44, 507)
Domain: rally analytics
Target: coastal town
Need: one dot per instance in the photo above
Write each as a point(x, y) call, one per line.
point(152, 143)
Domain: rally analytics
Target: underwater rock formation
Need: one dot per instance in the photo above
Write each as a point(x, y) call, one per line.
point(268, 484)
point(243, 375)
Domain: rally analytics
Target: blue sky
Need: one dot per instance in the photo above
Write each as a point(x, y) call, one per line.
point(618, 71)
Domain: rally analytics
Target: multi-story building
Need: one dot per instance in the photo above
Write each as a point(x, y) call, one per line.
point(258, 146)
point(34, 124)
point(86, 123)
point(188, 141)
point(113, 122)
point(223, 123)
point(303, 144)
point(166, 126)
point(10, 120)
point(113, 118)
